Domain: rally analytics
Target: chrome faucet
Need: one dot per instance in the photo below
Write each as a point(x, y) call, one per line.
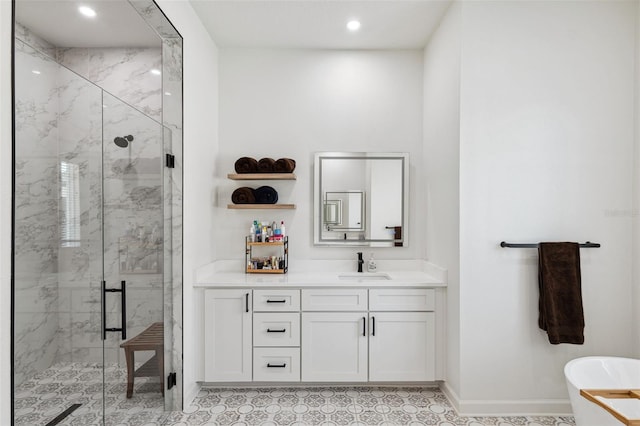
point(360, 261)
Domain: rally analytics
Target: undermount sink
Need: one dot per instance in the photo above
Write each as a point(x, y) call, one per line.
point(364, 276)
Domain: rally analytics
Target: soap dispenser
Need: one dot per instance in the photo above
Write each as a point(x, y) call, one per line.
point(371, 265)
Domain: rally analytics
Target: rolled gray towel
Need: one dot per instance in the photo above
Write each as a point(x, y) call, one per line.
point(284, 165)
point(246, 165)
point(266, 195)
point(243, 195)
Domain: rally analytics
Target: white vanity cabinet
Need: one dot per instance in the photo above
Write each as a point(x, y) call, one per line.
point(339, 335)
point(390, 338)
point(401, 335)
point(227, 340)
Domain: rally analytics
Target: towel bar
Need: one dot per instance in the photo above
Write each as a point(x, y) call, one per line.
point(588, 244)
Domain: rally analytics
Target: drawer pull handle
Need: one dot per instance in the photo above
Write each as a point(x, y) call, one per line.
point(246, 301)
point(373, 322)
point(277, 365)
point(276, 301)
point(364, 326)
point(276, 331)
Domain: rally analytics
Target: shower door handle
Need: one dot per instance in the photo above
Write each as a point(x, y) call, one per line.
point(123, 292)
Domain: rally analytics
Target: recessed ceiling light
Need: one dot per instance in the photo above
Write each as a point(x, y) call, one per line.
point(87, 11)
point(155, 71)
point(167, 93)
point(353, 25)
point(36, 72)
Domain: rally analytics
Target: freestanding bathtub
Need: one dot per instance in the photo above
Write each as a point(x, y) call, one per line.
point(599, 372)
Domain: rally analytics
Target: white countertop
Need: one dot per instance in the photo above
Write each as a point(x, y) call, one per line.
point(322, 274)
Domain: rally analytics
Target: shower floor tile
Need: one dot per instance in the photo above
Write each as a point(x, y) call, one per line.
point(46, 395)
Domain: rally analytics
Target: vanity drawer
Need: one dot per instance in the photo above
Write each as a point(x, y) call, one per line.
point(276, 329)
point(276, 364)
point(387, 299)
point(276, 300)
point(334, 299)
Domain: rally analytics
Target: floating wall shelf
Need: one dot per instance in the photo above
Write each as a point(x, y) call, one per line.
point(262, 176)
point(261, 206)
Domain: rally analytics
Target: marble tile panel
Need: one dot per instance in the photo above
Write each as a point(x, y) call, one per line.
point(27, 36)
point(35, 342)
point(123, 72)
point(154, 18)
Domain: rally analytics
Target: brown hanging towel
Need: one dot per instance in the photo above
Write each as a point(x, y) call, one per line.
point(560, 305)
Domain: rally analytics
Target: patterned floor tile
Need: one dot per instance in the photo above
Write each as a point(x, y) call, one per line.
point(40, 399)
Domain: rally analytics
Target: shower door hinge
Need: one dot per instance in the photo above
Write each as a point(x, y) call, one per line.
point(171, 161)
point(171, 380)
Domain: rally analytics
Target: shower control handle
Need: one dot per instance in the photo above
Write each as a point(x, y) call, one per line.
point(123, 292)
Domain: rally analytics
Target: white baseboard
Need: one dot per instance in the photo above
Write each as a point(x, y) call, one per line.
point(528, 407)
point(190, 394)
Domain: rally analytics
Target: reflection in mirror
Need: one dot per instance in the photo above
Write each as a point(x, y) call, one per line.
point(344, 211)
point(361, 199)
point(332, 212)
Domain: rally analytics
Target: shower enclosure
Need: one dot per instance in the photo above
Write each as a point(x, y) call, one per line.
point(97, 220)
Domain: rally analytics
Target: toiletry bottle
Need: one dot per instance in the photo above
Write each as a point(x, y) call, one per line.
point(258, 232)
point(282, 230)
point(371, 266)
point(277, 232)
point(252, 233)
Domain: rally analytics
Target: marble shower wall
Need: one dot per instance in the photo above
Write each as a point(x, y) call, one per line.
point(80, 262)
point(133, 219)
point(123, 72)
point(36, 197)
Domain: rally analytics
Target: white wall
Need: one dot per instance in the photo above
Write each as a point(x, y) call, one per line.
point(292, 103)
point(200, 56)
point(547, 144)
point(441, 165)
point(6, 108)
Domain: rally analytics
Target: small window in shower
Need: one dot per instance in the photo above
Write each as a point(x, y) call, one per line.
point(69, 205)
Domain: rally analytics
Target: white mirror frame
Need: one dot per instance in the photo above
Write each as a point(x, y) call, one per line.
point(318, 197)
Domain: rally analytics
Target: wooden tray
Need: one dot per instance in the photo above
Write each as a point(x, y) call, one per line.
point(591, 395)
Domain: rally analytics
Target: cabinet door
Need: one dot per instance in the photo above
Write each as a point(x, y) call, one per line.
point(402, 346)
point(227, 341)
point(334, 347)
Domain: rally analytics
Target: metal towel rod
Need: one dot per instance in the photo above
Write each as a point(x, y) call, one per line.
point(588, 244)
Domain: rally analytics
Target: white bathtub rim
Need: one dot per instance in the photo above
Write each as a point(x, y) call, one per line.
point(573, 376)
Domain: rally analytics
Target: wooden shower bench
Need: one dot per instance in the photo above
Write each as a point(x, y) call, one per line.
point(151, 339)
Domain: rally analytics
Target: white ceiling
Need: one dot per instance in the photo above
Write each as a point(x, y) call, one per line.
point(117, 23)
point(321, 24)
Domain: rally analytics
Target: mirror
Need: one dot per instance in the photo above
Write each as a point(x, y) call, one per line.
point(361, 199)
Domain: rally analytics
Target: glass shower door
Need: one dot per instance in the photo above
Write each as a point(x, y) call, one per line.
point(58, 350)
point(133, 256)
